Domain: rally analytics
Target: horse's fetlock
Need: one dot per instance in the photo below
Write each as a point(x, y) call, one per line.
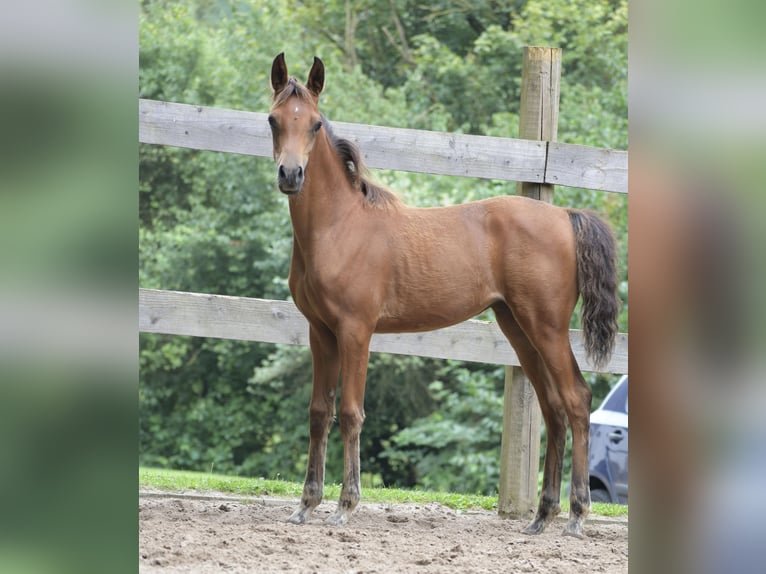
point(348, 501)
point(579, 507)
point(549, 502)
point(312, 498)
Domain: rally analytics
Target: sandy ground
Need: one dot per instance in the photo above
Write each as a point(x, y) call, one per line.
point(218, 533)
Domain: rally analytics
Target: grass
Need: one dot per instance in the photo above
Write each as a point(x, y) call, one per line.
point(178, 480)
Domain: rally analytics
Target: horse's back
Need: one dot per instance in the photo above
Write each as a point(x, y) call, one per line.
point(450, 263)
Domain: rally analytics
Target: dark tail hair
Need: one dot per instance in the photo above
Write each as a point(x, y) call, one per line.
point(597, 282)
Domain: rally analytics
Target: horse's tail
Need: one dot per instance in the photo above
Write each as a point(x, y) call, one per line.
point(597, 282)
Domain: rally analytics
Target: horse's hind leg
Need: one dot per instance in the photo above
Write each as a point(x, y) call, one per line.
point(554, 416)
point(324, 350)
point(577, 399)
point(575, 395)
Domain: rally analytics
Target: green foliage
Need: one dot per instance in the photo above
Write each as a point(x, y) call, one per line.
point(214, 223)
point(457, 447)
point(469, 89)
point(396, 395)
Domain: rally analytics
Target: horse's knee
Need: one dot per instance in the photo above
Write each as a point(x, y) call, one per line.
point(320, 420)
point(351, 421)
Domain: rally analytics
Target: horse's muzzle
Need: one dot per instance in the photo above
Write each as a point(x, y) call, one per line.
point(290, 180)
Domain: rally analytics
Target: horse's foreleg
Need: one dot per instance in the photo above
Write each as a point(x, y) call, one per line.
point(354, 349)
point(324, 350)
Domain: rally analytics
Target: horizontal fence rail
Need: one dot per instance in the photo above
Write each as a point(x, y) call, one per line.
point(249, 319)
point(422, 151)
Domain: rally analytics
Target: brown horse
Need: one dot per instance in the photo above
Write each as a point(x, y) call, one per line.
point(363, 262)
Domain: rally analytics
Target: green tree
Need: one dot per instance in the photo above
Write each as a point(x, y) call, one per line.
point(211, 223)
point(456, 447)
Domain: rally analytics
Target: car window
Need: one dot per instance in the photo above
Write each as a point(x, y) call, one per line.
point(618, 400)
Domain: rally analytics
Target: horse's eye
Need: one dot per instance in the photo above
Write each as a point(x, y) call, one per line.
point(317, 126)
point(273, 122)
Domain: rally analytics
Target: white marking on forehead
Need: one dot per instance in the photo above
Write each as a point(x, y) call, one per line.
point(296, 109)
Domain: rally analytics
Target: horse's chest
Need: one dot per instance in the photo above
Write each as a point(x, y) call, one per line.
point(314, 295)
point(330, 293)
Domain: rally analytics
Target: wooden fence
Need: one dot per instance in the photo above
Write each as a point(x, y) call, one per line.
point(439, 153)
point(248, 133)
point(540, 161)
point(267, 321)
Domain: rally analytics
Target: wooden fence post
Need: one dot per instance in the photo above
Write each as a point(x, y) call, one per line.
point(520, 448)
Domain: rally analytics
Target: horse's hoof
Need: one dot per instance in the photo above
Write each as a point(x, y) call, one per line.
point(574, 529)
point(535, 527)
point(337, 519)
point(300, 516)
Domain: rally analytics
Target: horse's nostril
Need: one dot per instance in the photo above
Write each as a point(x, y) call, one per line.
point(281, 172)
point(300, 171)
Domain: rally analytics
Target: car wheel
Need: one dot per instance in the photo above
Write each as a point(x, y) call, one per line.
point(599, 495)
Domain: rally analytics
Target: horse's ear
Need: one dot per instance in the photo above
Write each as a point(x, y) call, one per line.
point(278, 74)
point(315, 82)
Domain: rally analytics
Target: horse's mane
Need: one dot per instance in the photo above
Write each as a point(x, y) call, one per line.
point(356, 171)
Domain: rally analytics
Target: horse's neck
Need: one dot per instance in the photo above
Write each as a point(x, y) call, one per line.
point(326, 199)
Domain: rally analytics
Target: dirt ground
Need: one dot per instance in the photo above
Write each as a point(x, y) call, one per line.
point(218, 533)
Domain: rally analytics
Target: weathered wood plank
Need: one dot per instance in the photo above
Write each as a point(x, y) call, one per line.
point(587, 167)
point(268, 321)
point(522, 418)
point(221, 316)
point(447, 154)
point(519, 447)
point(232, 131)
point(200, 127)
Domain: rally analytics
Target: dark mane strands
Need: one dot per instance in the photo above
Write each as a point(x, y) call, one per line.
point(374, 193)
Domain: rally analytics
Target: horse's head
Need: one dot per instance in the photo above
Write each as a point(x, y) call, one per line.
point(294, 121)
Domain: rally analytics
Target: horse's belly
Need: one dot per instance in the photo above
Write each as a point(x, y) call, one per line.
point(429, 313)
